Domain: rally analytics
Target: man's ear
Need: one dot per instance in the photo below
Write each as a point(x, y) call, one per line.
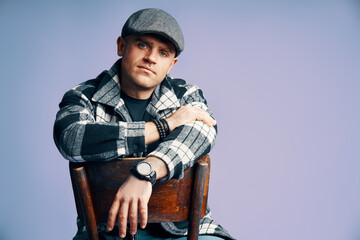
point(120, 46)
point(174, 61)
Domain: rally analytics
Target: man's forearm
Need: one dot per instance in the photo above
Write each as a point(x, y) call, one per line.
point(151, 133)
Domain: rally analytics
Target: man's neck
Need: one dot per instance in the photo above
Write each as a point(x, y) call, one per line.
point(134, 91)
point(136, 94)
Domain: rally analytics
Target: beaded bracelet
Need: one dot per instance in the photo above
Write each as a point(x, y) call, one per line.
point(160, 128)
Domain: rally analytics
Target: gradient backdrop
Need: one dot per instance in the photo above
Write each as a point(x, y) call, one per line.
point(283, 81)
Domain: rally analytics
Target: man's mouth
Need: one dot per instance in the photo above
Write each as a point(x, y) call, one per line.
point(147, 68)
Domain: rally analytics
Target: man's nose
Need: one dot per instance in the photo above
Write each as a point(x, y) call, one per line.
point(150, 56)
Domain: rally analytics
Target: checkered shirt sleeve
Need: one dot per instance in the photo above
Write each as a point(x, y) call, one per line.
point(79, 137)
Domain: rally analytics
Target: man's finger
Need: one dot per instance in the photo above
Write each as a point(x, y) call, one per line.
point(143, 212)
point(206, 118)
point(133, 216)
point(112, 214)
point(122, 219)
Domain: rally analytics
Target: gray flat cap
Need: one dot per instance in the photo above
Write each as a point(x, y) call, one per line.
point(156, 21)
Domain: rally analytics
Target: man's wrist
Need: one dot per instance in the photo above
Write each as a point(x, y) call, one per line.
point(162, 127)
point(144, 171)
point(171, 124)
point(159, 166)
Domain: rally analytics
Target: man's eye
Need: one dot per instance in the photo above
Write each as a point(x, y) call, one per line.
point(141, 45)
point(163, 54)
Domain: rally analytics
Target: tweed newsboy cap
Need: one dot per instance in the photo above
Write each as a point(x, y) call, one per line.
point(156, 21)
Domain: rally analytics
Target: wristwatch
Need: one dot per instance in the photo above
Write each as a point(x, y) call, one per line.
point(144, 171)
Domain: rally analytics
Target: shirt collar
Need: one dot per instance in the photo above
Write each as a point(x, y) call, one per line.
point(108, 92)
point(164, 96)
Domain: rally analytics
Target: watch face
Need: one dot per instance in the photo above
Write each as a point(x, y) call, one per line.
point(144, 168)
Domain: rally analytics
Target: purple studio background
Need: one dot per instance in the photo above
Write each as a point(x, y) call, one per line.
point(281, 77)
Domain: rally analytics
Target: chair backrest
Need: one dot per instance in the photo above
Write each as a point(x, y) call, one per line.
point(95, 185)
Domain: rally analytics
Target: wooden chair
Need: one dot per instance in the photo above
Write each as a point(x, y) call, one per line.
point(95, 185)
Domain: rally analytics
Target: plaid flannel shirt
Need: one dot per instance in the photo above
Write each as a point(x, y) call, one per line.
point(93, 124)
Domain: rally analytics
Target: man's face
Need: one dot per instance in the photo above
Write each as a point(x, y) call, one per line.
point(146, 60)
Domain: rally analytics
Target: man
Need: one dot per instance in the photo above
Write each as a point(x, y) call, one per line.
point(136, 109)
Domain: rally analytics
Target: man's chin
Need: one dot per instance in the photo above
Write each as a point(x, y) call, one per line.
point(145, 85)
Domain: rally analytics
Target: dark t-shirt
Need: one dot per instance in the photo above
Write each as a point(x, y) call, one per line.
point(137, 108)
point(137, 112)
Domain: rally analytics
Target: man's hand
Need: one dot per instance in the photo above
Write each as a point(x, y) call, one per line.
point(182, 116)
point(186, 114)
point(130, 202)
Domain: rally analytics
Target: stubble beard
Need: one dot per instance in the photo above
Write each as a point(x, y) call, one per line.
point(138, 84)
